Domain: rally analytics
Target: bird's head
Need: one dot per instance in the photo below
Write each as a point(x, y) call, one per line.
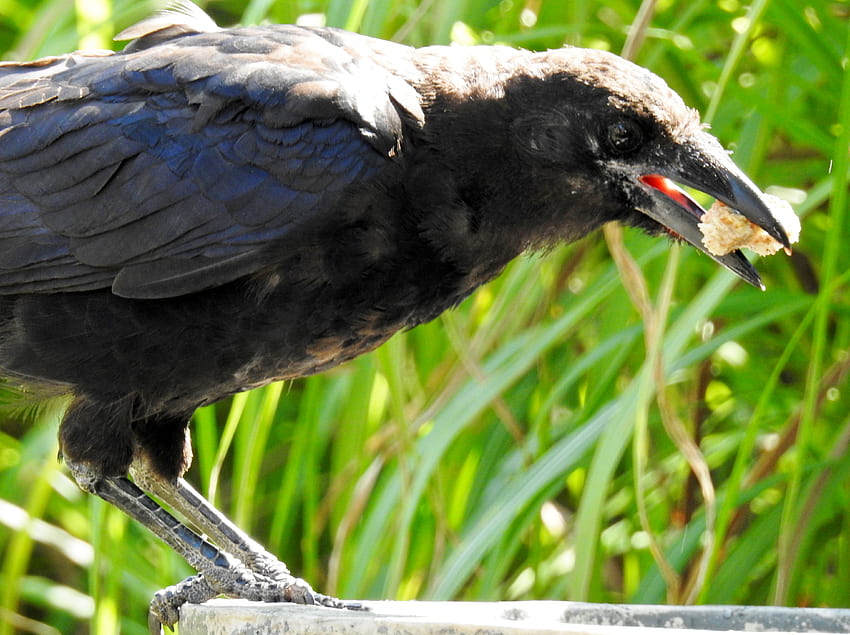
point(619, 142)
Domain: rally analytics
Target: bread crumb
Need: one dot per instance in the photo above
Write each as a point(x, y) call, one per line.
point(724, 230)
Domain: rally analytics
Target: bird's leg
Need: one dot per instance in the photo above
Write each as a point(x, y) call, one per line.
point(220, 573)
point(184, 499)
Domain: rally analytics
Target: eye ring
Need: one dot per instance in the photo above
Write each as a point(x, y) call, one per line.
point(624, 136)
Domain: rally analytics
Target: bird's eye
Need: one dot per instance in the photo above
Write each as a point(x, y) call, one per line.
point(624, 136)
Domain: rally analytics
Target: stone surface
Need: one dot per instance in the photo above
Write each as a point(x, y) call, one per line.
point(237, 617)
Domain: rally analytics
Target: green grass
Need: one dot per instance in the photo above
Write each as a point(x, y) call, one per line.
point(516, 448)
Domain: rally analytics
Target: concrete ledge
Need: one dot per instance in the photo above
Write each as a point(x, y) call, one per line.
point(237, 617)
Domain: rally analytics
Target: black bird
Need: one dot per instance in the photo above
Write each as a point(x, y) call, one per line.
point(214, 209)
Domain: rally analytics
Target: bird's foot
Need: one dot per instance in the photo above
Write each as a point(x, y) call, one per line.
point(165, 605)
point(239, 583)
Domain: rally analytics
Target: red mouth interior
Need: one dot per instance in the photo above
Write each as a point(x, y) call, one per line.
point(673, 191)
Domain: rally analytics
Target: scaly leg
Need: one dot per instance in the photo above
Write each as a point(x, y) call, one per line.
point(184, 499)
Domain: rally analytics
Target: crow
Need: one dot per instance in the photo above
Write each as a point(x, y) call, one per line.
point(210, 210)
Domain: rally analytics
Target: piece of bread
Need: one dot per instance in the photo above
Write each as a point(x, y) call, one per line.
point(724, 230)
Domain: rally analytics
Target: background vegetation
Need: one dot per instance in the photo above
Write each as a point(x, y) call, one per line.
point(539, 442)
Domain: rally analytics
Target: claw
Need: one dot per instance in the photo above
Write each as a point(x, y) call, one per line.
point(154, 625)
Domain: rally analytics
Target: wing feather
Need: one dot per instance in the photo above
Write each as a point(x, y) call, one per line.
point(188, 160)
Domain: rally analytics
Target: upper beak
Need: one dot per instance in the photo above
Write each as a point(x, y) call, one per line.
point(704, 165)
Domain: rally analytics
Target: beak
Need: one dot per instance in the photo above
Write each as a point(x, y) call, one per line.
point(704, 165)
